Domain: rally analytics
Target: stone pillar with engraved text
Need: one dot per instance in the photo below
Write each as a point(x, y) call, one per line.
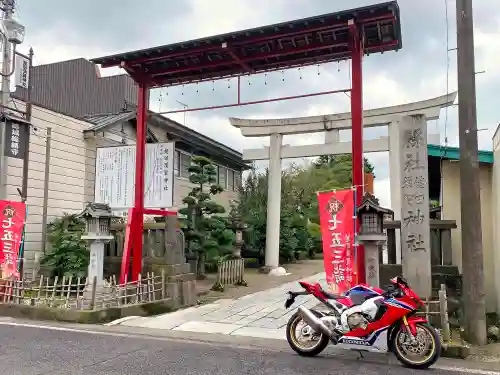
point(415, 228)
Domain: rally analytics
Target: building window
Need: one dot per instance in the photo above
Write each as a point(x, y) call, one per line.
point(230, 179)
point(223, 177)
point(185, 164)
point(237, 181)
point(176, 163)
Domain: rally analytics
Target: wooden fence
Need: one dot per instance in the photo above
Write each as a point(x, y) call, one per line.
point(82, 293)
point(154, 239)
point(230, 272)
point(441, 305)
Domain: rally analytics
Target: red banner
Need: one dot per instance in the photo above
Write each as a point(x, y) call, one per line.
point(13, 218)
point(336, 211)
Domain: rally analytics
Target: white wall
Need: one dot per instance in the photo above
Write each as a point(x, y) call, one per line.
point(451, 210)
point(496, 214)
point(66, 177)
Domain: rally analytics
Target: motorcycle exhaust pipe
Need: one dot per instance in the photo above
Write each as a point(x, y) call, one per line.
point(313, 321)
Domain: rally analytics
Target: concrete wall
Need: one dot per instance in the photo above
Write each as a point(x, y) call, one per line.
point(451, 211)
point(496, 213)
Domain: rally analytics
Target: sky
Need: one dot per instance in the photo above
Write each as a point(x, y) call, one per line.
point(424, 68)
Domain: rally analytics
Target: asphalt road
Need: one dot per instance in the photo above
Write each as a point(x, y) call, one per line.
point(30, 350)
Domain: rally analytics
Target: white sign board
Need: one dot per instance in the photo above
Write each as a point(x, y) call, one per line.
point(22, 71)
point(115, 176)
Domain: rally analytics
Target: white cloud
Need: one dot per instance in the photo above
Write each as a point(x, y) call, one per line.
point(417, 72)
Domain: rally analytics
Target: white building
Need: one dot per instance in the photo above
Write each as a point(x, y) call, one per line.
point(93, 112)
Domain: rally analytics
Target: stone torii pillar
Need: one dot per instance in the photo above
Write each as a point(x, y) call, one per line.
point(272, 257)
point(330, 125)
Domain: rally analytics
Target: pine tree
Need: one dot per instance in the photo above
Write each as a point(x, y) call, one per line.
point(207, 233)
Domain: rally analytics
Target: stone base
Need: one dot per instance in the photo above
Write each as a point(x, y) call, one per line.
point(101, 289)
point(274, 271)
point(180, 285)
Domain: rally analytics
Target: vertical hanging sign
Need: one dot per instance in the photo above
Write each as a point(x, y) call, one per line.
point(22, 71)
point(336, 210)
point(12, 220)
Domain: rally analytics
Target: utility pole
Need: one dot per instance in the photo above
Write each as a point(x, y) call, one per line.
point(472, 246)
point(8, 11)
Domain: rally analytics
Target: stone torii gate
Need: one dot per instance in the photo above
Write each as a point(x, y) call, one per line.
point(331, 126)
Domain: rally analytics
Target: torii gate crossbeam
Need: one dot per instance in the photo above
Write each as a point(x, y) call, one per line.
point(326, 38)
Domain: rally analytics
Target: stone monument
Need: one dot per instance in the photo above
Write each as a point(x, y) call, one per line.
point(371, 235)
point(415, 225)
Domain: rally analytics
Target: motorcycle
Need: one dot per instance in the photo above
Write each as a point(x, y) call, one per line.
point(365, 318)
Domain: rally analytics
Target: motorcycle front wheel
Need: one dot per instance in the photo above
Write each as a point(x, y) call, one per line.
point(420, 353)
point(312, 343)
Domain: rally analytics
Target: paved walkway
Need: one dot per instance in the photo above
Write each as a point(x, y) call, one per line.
point(260, 314)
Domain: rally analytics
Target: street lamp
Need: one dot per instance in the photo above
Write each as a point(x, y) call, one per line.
point(12, 32)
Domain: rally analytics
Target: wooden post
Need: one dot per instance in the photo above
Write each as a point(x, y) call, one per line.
point(391, 246)
point(54, 286)
point(39, 293)
point(94, 290)
point(68, 292)
point(45, 206)
point(443, 311)
point(427, 307)
point(446, 247)
point(162, 284)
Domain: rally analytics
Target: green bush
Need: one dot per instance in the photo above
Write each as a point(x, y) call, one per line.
point(68, 254)
point(314, 231)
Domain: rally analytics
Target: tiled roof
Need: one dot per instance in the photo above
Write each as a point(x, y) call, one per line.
point(101, 121)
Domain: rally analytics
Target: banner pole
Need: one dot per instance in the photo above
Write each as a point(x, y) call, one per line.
point(20, 260)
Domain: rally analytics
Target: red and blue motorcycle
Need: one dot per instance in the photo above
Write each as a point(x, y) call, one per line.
point(365, 319)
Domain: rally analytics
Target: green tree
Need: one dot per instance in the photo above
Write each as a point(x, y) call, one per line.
point(299, 208)
point(207, 234)
point(345, 160)
point(68, 254)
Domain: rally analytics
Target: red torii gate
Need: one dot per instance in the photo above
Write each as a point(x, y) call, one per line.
point(311, 41)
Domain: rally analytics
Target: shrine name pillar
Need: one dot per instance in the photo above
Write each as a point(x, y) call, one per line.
point(274, 207)
point(414, 191)
point(395, 180)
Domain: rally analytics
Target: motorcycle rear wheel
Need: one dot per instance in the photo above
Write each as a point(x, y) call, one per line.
point(426, 360)
point(294, 343)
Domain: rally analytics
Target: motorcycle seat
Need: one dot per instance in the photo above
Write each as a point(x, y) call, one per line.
point(332, 295)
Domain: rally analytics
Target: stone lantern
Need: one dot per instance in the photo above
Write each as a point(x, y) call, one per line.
point(239, 227)
point(372, 235)
point(98, 222)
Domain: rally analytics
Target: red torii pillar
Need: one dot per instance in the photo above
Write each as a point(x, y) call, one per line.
point(356, 46)
point(135, 223)
point(135, 220)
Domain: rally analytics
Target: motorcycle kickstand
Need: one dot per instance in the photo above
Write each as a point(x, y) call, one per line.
point(360, 356)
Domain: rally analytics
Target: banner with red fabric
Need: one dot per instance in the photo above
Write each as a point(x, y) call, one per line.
point(12, 220)
point(337, 223)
